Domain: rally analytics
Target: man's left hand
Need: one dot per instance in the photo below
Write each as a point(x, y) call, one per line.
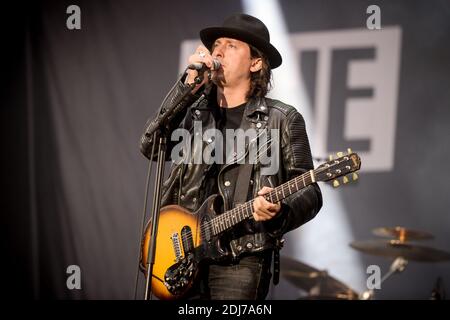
point(264, 210)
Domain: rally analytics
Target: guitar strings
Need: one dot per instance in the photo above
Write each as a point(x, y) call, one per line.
point(224, 218)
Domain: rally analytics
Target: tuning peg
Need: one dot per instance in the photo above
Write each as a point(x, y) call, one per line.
point(336, 183)
point(345, 179)
point(355, 176)
point(349, 151)
point(330, 157)
point(340, 154)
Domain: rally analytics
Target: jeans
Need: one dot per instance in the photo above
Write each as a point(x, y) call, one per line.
point(247, 279)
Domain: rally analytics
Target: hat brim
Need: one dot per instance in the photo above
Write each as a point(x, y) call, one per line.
point(209, 35)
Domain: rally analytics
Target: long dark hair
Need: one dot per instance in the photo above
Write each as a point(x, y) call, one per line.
point(260, 81)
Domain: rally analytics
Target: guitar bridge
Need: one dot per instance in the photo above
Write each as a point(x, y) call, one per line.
point(176, 246)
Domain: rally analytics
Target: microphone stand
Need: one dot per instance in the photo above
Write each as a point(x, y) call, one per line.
point(155, 213)
point(159, 125)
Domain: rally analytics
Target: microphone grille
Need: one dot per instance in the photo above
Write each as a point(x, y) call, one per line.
point(216, 64)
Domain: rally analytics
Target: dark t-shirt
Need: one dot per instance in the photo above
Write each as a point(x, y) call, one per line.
point(230, 119)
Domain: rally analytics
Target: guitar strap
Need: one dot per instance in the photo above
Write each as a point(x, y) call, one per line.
point(240, 196)
point(242, 183)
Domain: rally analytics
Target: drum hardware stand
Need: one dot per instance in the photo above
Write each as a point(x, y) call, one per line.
point(397, 266)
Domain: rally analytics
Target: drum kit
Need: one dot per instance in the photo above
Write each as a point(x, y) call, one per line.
point(321, 286)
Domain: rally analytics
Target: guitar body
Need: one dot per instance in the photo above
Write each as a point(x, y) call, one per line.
point(185, 240)
point(174, 245)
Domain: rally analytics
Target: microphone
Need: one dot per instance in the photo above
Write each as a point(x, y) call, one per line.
point(200, 66)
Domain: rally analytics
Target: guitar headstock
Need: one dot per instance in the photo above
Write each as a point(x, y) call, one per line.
point(342, 165)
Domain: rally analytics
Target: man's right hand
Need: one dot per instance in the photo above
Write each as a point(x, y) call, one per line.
point(201, 55)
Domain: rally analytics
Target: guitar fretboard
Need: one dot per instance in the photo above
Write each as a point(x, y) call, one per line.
point(244, 211)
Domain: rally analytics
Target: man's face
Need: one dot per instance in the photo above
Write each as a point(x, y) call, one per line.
point(236, 62)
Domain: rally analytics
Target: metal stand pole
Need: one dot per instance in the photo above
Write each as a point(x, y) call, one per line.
point(398, 265)
point(155, 216)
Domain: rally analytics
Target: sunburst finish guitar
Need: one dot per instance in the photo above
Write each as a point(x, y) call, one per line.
point(186, 239)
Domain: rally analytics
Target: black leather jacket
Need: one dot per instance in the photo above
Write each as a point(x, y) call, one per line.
point(188, 185)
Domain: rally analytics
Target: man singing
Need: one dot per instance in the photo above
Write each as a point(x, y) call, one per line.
point(238, 58)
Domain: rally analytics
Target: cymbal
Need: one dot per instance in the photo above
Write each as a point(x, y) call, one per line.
point(317, 282)
point(397, 248)
point(338, 296)
point(401, 233)
point(293, 265)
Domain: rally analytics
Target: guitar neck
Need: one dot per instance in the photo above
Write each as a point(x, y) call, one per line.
point(244, 211)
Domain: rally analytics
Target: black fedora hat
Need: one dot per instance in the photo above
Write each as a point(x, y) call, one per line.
point(245, 28)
